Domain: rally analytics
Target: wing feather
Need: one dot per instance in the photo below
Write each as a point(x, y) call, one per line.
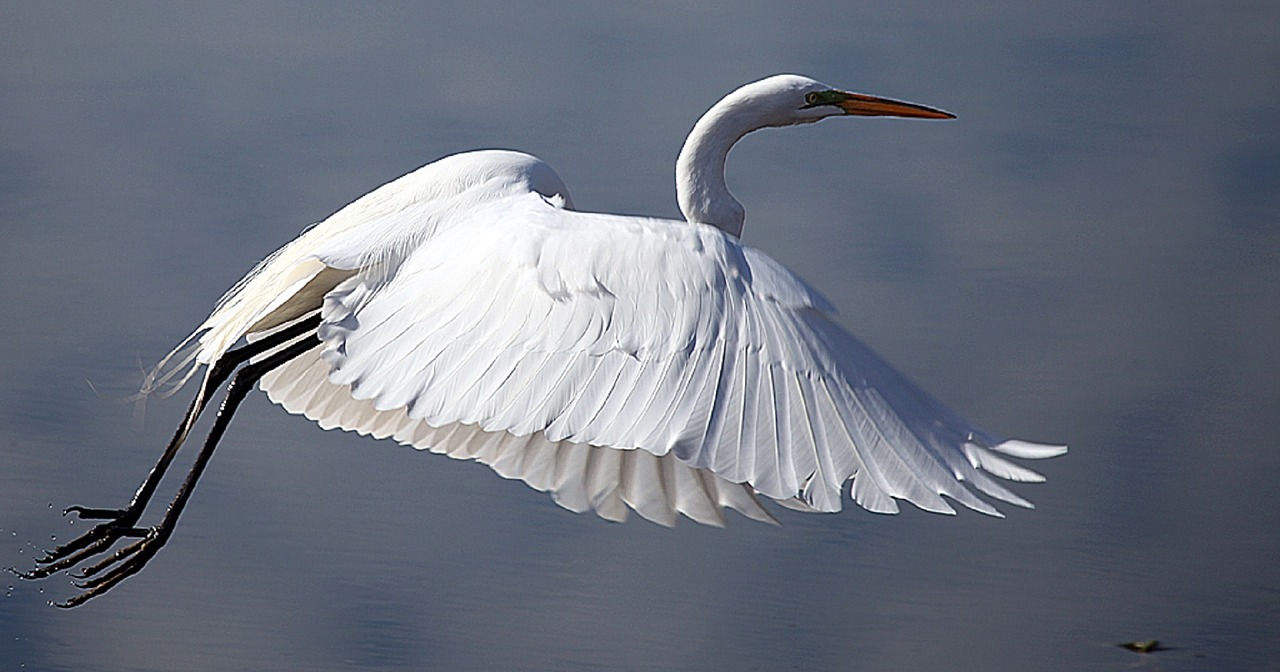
point(622, 362)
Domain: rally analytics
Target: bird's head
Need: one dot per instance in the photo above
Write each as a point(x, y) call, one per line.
point(784, 100)
point(780, 100)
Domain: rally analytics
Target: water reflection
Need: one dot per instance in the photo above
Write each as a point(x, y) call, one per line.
point(1089, 253)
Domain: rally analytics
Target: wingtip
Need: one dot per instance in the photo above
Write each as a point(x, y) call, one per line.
point(1030, 450)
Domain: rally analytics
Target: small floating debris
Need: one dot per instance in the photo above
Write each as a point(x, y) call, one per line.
point(1149, 646)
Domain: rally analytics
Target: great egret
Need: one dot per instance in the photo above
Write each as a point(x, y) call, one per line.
point(466, 308)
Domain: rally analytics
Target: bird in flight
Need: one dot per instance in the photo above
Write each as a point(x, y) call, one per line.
point(617, 362)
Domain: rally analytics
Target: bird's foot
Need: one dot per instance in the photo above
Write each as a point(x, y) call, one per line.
point(119, 524)
point(101, 576)
point(86, 513)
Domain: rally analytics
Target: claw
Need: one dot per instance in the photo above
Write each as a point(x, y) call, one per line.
point(85, 513)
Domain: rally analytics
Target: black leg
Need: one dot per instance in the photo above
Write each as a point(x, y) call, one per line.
point(217, 375)
point(121, 523)
point(132, 558)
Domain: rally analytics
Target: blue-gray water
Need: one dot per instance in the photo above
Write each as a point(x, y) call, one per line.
point(1090, 254)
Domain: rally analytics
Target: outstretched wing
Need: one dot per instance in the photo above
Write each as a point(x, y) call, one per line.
point(379, 227)
point(568, 349)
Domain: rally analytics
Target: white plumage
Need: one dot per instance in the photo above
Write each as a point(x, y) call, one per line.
point(614, 361)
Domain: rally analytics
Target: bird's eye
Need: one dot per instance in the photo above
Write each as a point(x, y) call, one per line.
point(811, 98)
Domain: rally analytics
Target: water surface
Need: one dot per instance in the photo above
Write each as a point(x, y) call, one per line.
point(1090, 254)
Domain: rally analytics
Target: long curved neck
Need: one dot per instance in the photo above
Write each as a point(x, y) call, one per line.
point(703, 195)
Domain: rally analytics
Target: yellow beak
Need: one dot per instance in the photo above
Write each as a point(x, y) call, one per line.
point(870, 106)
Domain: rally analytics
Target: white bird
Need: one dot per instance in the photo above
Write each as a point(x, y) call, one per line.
point(614, 361)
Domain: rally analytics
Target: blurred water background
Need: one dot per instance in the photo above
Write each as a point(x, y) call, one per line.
point(1090, 254)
